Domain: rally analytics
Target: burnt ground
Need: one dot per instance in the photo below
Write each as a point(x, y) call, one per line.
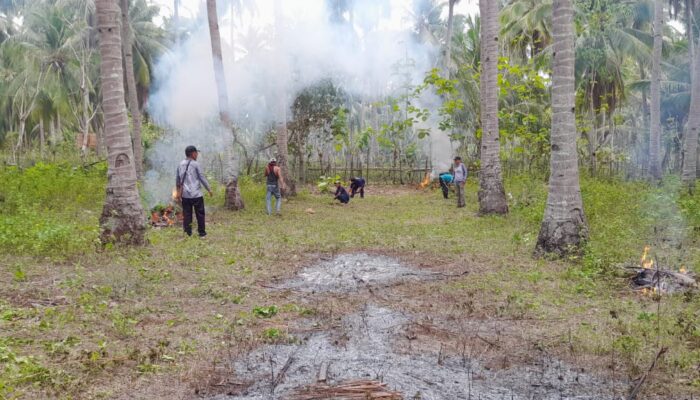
point(379, 336)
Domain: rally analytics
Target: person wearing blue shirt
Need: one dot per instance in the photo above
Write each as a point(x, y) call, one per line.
point(445, 179)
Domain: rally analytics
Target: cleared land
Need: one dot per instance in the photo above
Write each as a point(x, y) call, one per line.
point(176, 318)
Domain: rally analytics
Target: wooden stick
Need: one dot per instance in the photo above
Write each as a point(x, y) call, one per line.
point(635, 391)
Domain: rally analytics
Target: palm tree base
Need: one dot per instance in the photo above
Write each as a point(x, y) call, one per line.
point(561, 238)
point(233, 199)
point(122, 224)
point(493, 200)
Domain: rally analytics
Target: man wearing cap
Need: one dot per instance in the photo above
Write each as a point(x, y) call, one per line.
point(460, 178)
point(274, 182)
point(188, 180)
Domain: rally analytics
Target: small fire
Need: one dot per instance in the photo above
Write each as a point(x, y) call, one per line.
point(174, 195)
point(426, 181)
point(682, 270)
point(650, 291)
point(646, 261)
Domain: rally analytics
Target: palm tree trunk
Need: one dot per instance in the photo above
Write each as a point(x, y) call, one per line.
point(492, 197)
point(123, 219)
point(564, 229)
point(281, 113)
point(448, 38)
point(132, 97)
point(42, 137)
point(233, 199)
point(176, 21)
point(85, 124)
point(655, 132)
point(690, 143)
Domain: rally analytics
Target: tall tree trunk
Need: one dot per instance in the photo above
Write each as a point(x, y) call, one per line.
point(52, 133)
point(176, 21)
point(281, 110)
point(564, 229)
point(233, 199)
point(492, 196)
point(448, 39)
point(42, 137)
point(85, 123)
point(123, 219)
point(690, 143)
point(132, 97)
point(20, 138)
point(655, 132)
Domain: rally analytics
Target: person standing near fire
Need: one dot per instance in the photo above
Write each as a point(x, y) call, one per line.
point(460, 179)
point(189, 180)
point(274, 183)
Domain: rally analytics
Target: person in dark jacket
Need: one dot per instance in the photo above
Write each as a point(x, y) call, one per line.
point(445, 179)
point(357, 184)
point(341, 194)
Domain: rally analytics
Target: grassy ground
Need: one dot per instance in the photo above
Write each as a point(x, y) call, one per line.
point(163, 320)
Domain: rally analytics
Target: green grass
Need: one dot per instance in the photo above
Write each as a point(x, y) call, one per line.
point(83, 322)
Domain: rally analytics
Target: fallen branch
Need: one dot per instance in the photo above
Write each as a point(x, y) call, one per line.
point(635, 390)
point(355, 390)
point(280, 375)
point(683, 279)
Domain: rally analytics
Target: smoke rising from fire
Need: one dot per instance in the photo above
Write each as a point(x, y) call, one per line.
point(359, 51)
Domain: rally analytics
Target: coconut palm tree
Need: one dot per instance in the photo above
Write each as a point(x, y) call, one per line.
point(122, 218)
point(655, 125)
point(492, 196)
point(564, 229)
point(448, 38)
point(132, 98)
point(149, 41)
point(233, 199)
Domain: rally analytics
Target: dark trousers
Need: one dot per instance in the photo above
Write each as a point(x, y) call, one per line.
point(344, 198)
point(198, 205)
point(357, 189)
point(444, 187)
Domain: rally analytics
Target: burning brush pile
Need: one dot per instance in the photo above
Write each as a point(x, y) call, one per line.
point(163, 216)
point(652, 279)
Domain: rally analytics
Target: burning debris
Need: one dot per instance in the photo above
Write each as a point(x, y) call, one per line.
point(651, 279)
point(426, 181)
point(165, 216)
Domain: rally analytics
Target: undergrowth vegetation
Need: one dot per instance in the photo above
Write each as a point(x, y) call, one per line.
point(78, 320)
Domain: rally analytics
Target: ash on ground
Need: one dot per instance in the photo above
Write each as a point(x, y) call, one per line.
point(363, 348)
point(351, 272)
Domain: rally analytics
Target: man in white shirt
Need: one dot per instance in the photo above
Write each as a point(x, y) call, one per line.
point(189, 180)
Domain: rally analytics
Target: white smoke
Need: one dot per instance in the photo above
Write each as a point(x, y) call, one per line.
point(295, 52)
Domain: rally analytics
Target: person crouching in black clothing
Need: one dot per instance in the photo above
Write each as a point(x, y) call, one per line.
point(341, 194)
point(357, 185)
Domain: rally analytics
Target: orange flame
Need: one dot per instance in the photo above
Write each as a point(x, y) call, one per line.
point(682, 270)
point(646, 261)
point(174, 195)
point(426, 181)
